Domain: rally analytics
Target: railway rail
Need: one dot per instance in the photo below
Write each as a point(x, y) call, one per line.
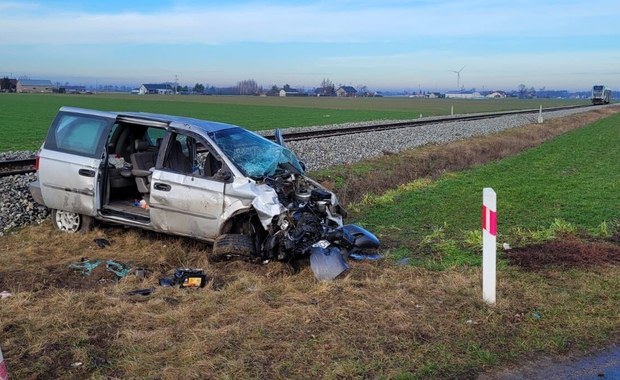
point(15, 167)
point(25, 166)
point(307, 135)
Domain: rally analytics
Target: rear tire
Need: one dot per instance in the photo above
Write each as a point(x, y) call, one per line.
point(232, 245)
point(71, 222)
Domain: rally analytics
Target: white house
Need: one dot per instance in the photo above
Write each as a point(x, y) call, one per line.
point(156, 88)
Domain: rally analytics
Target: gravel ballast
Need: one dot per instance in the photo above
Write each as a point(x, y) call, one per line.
point(17, 208)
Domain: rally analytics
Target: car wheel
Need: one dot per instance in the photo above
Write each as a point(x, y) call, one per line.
point(70, 221)
point(232, 245)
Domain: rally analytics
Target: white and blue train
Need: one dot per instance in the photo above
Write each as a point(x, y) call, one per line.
point(600, 94)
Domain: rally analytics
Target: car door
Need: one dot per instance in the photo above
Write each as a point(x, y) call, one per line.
point(70, 160)
point(183, 198)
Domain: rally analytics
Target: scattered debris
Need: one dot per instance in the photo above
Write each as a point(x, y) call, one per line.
point(403, 261)
point(102, 243)
point(506, 247)
point(140, 272)
point(4, 294)
point(141, 292)
point(87, 266)
point(359, 256)
point(76, 364)
point(140, 203)
point(118, 268)
point(186, 278)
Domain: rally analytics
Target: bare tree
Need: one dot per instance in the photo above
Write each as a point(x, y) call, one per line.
point(247, 87)
point(327, 88)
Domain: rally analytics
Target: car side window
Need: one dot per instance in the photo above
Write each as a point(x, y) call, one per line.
point(154, 135)
point(179, 156)
point(77, 134)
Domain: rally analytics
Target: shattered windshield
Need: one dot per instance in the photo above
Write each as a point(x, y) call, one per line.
point(254, 155)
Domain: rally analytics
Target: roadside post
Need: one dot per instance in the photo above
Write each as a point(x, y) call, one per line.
point(540, 116)
point(489, 254)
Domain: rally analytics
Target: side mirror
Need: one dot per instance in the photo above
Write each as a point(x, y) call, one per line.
point(280, 138)
point(223, 175)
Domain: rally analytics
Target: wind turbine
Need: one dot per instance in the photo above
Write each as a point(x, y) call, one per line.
point(458, 77)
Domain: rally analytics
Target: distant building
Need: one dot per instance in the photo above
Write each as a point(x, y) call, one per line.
point(346, 91)
point(8, 85)
point(496, 95)
point(72, 89)
point(463, 95)
point(34, 85)
point(291, 92)
point(433, 95)
point(156, 88)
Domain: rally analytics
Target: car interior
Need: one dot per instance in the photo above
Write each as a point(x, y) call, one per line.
point(133, 151)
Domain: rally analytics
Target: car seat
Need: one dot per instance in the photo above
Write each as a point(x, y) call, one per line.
point(142, 161)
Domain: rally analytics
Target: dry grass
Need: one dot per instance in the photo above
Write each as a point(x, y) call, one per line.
point(274, 321)
point(390, 171)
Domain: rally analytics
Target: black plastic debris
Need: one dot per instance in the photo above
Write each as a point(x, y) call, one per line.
point(141, 292)
point(186, 278)
point(102, 243)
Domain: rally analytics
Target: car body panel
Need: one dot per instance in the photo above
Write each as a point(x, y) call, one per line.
point(62, 185)
point(187, 205)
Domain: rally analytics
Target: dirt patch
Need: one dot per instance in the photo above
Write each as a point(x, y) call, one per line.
point(568, 252)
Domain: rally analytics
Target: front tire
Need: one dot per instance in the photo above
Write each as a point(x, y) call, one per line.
point(232, 245)
point(71, 222)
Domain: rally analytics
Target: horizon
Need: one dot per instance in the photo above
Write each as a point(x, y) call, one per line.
point(397, 45)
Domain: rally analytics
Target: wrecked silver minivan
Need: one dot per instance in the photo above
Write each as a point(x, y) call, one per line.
point(211, 181)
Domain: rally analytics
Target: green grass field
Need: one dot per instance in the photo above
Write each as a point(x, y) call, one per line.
point(572, 180)
point(26, 117)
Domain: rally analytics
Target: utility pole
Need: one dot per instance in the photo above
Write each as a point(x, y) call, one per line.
point(176, 84)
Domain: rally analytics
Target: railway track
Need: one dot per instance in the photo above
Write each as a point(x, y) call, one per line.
point(15, 167)
point(299, 136)
point(24, 166)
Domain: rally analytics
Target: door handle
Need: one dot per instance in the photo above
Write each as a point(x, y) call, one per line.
point(162, 186)
point(86, 172)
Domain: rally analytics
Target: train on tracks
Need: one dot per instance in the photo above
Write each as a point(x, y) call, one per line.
point(600, 94)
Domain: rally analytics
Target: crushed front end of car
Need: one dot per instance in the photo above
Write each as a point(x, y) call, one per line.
point(311, 224)
point(300, 218)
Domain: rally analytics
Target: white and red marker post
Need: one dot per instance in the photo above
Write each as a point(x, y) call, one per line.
point(489, 232)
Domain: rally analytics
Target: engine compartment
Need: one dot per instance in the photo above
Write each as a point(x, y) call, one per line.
point(312, 214)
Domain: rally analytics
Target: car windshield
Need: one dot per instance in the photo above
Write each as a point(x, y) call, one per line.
point(254, 155)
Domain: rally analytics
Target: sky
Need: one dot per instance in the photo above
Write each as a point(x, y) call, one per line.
point(389, 44)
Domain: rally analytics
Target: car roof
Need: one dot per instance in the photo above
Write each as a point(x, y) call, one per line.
point(181, 122)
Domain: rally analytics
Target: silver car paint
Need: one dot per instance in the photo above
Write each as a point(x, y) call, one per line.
point(63, 188)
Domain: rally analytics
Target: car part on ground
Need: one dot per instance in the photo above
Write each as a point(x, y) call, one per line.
point(186, 278)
